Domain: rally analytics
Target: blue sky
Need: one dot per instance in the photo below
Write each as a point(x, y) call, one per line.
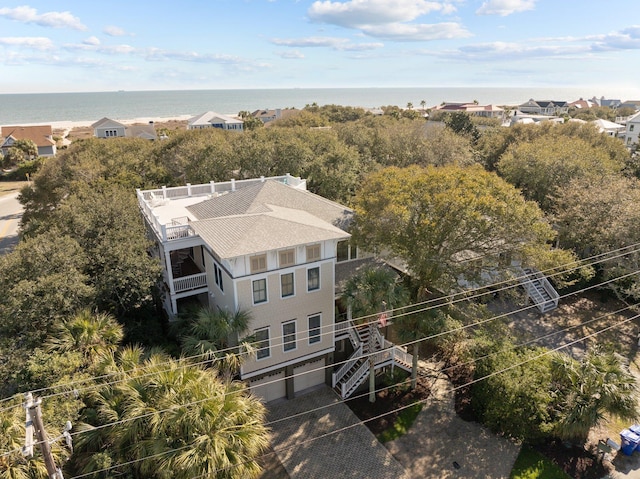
point(68, 46)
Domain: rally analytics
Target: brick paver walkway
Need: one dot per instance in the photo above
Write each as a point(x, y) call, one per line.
point(354, 452)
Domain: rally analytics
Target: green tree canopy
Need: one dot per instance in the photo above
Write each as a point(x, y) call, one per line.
point(107, 226)
point(42, 281)
point(512, 392)
point(540, 167)
point(450, 221)
point(598, 215)
point(460, 123)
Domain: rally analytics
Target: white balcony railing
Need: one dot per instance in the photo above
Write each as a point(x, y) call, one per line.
point(187, 283)
point(148, 199)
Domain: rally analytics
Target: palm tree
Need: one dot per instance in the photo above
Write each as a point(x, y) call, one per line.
point(215, 333)
point(409, 106)
point(598, 385)
point(93, 334)
point(372, 287)
point(193, 424)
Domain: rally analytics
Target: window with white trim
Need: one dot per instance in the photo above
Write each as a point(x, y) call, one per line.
point(314, 328)
point(313, 279)
point(287, 258)
point(258, 263)
point(217, 273)
point(313, 252)
point(262, 343)
point(286, 285)
point(289, 335)
point(259, 287)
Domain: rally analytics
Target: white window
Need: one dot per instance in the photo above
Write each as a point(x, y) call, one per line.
point(313, 252)
point(286, 285)
point(258, 263)
point(287, 258)
point(314, 329)
point(313, 279)
point(262, 343)
point(631, 127)
point(217, 272)
point(259, 291)
point(289, 335)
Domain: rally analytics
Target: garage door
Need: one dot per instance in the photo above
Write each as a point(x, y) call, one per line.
point(311, 374)
point(269, 387)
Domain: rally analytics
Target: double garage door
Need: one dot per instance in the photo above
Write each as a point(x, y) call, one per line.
point(274, 386)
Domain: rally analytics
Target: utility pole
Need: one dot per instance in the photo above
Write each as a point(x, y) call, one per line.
point(35, 415)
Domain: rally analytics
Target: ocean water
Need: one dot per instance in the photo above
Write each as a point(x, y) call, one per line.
point(49, 107)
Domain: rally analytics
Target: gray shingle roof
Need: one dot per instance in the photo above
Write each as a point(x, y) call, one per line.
point(267, 216)
point(233, 236)
point(253, 199)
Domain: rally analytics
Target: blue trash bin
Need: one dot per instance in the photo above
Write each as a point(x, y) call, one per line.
point(628, 442)
point(635, 429)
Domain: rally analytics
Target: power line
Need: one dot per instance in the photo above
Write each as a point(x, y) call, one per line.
point(299, 374)
point(362, 422)
point(413, 342)
point(449, 299)
point(424, 401)
point(441, 300)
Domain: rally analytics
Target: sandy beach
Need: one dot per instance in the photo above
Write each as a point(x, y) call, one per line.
point(82, 129)
point(64, 125)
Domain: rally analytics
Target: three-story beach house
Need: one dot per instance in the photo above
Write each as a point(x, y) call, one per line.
point(270, 247)
point(267, 246)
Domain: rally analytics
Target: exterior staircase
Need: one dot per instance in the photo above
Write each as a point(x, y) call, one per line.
point(369, 347)
point(539, 289)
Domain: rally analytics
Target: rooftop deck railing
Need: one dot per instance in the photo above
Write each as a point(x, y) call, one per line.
point(148, 199)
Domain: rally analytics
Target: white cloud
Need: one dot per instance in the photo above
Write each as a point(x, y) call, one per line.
point(355, 13)
point(416, 32)
point(505, 7)
point(389, 19)
point(37, 43)
point(26, 14)
point(291, 55)
point(114, 31)
point(335, 43)
point(626, 39)
point(91, 41)
point(87, 45)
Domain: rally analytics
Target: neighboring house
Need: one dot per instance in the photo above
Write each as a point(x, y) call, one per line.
point(611, 103)
point(472, 108)
point(270, 247)
point(632, 130)
point(520, 118)
point(146, 132)
point(582, 104)
point(608, 127)
point(107, 128)
point(212, 119)
point(267, 116)
point(635, 104)
point(41, 135)
point(544, 107)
